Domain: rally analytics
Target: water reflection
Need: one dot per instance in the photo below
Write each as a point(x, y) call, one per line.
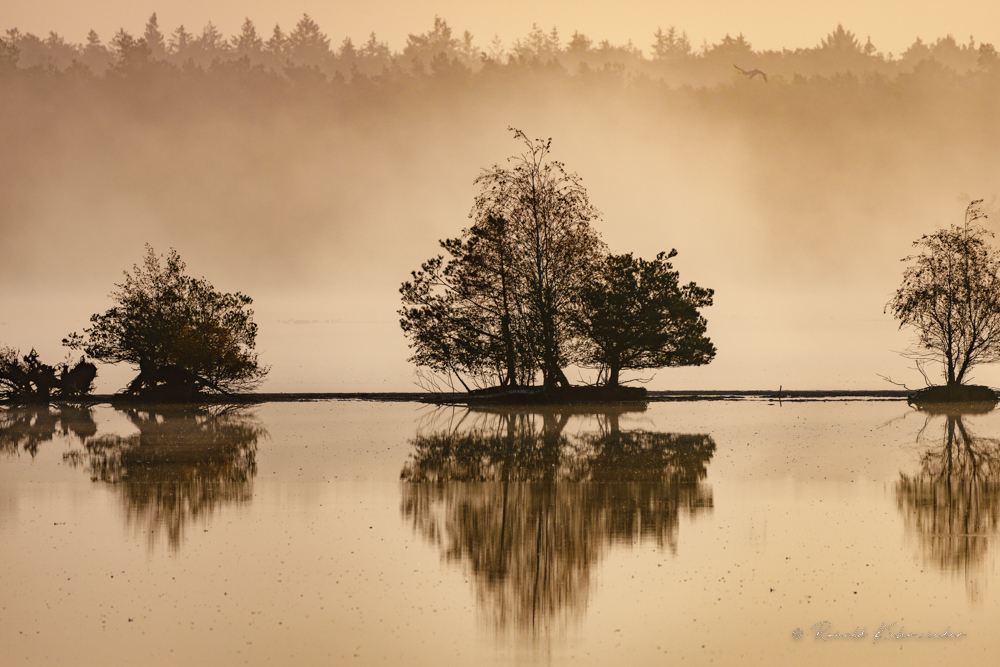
point(24, 429)
point(181, 466)
point(952, 504)
point(530, 506)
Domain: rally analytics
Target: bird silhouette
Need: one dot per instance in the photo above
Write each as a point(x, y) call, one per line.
point(751, 73)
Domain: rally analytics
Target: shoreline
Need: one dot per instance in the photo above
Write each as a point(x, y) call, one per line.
point(667, 396)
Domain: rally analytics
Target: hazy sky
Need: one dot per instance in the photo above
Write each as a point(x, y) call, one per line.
point(892, 24)
point(798, 227)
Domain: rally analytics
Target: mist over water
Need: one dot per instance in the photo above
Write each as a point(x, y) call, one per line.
point(793, 199)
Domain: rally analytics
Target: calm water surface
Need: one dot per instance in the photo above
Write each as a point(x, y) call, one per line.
point(351, 532)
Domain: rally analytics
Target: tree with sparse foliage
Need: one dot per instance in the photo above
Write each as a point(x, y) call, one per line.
point(636, 315)
point(556, 250)
point(950, 296)
point(504, 302)
point(184, 337)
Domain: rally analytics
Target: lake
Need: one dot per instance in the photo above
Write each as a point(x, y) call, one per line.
point(363, 533)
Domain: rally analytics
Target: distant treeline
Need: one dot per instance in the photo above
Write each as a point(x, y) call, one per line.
point(306, 53)
point(304, 163)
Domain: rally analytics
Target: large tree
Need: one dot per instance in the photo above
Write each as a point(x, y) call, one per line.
point(530, 287)
point(636, 315)
point(950, 296)
point(503, 302)
point(466, 315)
point(182, 335)
point(555, 250)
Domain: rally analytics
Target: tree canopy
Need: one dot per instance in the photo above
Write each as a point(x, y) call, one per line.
point(502, 304)
point(637, 315)
point(444, 51)
point(950, 296)
point(182, 335)
point(530, 287)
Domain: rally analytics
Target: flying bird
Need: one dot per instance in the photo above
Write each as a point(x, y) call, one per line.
point(751, 73)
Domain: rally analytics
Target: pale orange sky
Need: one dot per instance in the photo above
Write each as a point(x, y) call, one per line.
point(801, 241)
point(892, 24)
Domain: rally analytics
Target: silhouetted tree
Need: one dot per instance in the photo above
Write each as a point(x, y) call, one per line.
point(180, 43)
point(60, 54)
point(578, 43)
point(347, 55)
point(496, 52)
point(951, 296)
point(671, 44)
point(505, 299)
point(132, 56)
point(95, 55)
point(538, 45)
point(209, 46)
point(915, 53)
point(182, 335)
point(987, 57)
point(31, 51)
point(248, 42)
point(470, 314)
point(307, 45)
point(555, 250)
point(469, 54)
point(731, 48)
point(277, 45)
point(637, 315)
point(425, 47)
point(841, 40)
point(154, 38)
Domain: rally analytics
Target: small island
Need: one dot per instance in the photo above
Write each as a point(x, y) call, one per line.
point(950, 297)
point(189, 343)
point(530, 289)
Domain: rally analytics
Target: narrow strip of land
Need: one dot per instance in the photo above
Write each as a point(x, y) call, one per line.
point(458, 398)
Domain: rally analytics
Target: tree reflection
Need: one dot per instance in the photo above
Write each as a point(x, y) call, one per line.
point(530, 509)
point(182, 465)
point(24, 429)
point(953, 504)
